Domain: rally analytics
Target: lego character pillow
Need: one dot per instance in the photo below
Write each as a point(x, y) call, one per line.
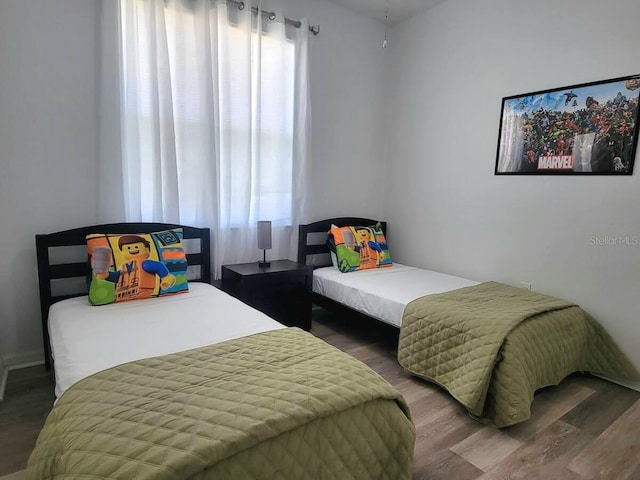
point(359, 248)
point(131, 267)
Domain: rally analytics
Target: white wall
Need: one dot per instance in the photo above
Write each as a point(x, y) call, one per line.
point(449, 69)
point(48, 142)
point(347, 86)
point(49, 133)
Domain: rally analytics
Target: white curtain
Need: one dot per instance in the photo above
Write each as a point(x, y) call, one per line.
point(213, 123)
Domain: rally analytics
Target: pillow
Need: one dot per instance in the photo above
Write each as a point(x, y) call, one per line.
point(132, 267)
point(360, 248)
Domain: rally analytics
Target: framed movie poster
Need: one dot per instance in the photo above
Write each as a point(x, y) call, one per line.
point(584, 129)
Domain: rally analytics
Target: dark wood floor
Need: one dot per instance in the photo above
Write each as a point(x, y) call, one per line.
point(585, 428)
point(28, 399)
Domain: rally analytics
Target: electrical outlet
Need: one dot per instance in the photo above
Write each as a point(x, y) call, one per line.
point(525, 285)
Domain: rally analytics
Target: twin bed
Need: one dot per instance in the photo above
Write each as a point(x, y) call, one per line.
point(380, 293)
point(490, 345)
point(200, 385)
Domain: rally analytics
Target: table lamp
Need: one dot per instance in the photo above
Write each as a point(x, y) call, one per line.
point(264, 241)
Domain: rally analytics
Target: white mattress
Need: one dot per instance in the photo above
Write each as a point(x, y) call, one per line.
point(383, 293)
point(87, 339)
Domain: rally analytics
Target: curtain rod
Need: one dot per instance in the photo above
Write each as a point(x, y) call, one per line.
point(315, 29)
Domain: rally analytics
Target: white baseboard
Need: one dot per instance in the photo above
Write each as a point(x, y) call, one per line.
point(13, 476)
point(629, 384)
point(16, 362)
point(3, 381)
point(23, 360)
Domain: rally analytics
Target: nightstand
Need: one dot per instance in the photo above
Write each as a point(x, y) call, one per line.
point(282, 290)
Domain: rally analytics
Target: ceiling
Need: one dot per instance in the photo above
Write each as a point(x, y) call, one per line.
point(399, 10)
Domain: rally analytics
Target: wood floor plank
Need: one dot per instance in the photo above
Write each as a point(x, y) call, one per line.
point(446, 429)
point(429, 409)
point(549, 406)
point(550, 450)
point(486, 448)
point(446, 466)
point(27, 379)
point(433, 457)
point(13, 476)
point(392, 371)
point(615, 453)
point(635, 474)
point(602, 408)
point(589, 381)
point(27, 402)
point(412, 389)
point(368, 354)
point(342, 343)
point(16, 442)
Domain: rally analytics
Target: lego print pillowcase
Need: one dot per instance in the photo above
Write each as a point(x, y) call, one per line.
point(135, 266)
point(359, 248)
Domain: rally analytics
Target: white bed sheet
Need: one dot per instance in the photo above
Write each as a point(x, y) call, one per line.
point(383, 293)
point(87, 339)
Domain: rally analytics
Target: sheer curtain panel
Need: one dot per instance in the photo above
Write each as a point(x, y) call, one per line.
point(213, 107)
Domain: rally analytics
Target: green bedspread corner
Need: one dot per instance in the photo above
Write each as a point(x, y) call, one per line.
point(278, 404)
point(492, 345)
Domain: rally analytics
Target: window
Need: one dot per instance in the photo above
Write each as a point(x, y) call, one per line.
point(209, 99)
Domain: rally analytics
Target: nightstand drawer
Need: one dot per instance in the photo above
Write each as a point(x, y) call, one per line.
point(276, 285)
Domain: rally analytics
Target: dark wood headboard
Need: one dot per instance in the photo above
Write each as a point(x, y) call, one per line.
point(75, 237)
point(306, 249)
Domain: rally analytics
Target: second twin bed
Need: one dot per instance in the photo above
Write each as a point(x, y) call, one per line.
point(489, 344)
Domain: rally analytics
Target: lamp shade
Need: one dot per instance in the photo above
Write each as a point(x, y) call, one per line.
point(264, 234)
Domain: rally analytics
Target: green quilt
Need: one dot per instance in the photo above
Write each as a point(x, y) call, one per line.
point(275, 405)
point(492, 346)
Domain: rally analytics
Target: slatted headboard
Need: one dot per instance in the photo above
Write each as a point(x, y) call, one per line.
point(48, 271)
point(306, 249)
